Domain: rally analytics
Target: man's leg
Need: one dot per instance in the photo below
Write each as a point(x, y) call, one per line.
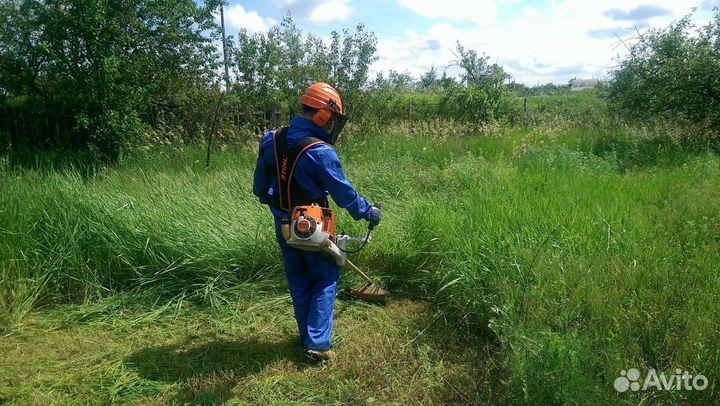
point(325, 276)
point(299, 282)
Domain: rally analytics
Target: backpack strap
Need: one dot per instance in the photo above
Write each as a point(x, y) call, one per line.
point(285, 162)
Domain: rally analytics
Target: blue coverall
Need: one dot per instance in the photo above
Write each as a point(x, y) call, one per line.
point(312, 278)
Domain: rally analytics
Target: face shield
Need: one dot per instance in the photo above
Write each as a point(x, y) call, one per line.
point(336, 126)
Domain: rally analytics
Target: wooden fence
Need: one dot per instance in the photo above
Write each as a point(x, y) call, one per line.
point(259, 120)
point(37, 128)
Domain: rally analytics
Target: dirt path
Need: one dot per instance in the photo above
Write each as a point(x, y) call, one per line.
point(243, 352)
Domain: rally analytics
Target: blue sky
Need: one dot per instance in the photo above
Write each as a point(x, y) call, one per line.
point(536, 41)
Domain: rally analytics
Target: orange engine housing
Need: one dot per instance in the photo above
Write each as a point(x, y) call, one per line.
point(319, 214)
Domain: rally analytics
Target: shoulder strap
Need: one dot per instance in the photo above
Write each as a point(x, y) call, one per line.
point(286, 160)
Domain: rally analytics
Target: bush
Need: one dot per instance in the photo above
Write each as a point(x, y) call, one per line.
point(672, 74)
point(477, 105)
point(473, 104)
point(92, 72)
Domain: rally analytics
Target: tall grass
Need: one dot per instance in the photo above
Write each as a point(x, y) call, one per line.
point(576, 249)
point(68, 238)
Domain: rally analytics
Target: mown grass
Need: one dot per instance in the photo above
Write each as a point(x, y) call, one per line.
point(123, 350)
point(574, 249)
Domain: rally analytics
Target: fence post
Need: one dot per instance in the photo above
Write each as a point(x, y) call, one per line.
point(24, 125)
point(15, 134)
point(410, 116)
point(527, 112)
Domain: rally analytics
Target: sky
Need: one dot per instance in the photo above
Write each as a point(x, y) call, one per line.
point(537, 42)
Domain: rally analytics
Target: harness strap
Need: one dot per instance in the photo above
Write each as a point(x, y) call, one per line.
point(285, 163)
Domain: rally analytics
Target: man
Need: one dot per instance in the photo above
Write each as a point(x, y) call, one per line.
point(315, 173)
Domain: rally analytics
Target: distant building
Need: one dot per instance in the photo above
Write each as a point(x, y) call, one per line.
point(580, 84)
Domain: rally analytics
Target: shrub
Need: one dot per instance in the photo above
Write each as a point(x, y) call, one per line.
point(474, 104)
point(97, 69)
point(671, 74)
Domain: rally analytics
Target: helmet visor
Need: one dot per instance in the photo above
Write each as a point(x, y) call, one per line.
point(337, 125)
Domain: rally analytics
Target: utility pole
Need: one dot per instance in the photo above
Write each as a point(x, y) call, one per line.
point(225, 59)
point(227, 86)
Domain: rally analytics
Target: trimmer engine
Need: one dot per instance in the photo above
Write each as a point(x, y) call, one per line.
point(309, 227)
point(312, 228)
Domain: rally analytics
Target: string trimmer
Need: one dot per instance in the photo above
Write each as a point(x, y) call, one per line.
point(312, 228)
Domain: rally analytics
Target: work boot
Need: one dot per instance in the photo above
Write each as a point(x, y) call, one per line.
point(318, 356)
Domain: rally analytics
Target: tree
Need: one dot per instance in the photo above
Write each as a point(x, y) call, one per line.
point(672, 74)
point(477, 70)
point(104, 64)
point(447, 82)
point(517, 89)
point(275, 68)
point(429, 80)
point(477, 101)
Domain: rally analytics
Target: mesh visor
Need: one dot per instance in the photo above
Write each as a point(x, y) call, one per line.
point(338, 124)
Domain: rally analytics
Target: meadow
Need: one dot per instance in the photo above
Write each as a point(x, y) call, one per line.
point(529, 264)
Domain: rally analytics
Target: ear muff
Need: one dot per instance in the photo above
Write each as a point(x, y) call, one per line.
point(322, 117)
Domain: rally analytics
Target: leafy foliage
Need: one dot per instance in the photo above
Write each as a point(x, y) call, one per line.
point(273, 70)
point(672, 74)
point(478, 101)
point(103, 65)
point(472, 104)
point(477, 69)
point(107, 75)
point(548, 89)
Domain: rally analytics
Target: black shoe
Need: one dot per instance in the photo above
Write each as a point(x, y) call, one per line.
point(318, 356)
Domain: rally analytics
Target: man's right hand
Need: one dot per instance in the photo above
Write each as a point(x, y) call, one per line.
point(375, 216)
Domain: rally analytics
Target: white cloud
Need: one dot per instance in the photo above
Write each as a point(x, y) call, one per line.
point(551, 43)
point(333, 10)
point(531, 12)
point(236, 18)
point(320, 11)
point(476, 11)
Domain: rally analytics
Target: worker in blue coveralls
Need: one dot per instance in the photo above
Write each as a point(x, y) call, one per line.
point(307, 143)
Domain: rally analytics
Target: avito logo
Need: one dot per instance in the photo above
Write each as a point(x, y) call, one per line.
point(681, 380)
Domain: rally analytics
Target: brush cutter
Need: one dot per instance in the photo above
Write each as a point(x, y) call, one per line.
point(312, 228)
point(370, 291)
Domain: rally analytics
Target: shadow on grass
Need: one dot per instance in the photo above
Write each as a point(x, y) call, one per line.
point(208, 372)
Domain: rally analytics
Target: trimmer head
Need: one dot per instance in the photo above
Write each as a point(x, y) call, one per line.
point(369, 292)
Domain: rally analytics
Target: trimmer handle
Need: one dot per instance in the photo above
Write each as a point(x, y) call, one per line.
point(372, 226)
point(359, 239)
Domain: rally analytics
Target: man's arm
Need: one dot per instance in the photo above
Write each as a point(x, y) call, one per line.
point(333, 179)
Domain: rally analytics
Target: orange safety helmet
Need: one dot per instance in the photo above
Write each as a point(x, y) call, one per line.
point(326, 99)
point(328, 103)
